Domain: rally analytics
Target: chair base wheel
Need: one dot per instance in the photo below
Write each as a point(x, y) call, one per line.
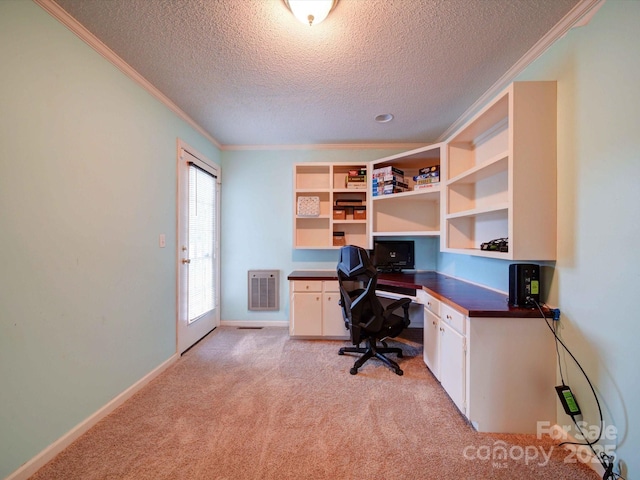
point(373, 351)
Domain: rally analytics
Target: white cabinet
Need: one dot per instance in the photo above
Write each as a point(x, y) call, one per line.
point(445, 347)
point(315, 311)
point(452, 364)
point(500, 177)
point(499, 372)
point(431, 342)
point(332, 319)
point(511, 373)
point(307, 314)
point(416, 211)
point(318, 187)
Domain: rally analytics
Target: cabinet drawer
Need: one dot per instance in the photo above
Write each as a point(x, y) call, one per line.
point(429, 302)
point(307, 286)
point(453, 317)
point(330, 286)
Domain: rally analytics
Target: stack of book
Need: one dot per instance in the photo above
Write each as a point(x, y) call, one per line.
point(427, 177)
point(356, 179)
point(388, 180)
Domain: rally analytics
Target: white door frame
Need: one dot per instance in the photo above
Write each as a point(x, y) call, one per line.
point(188, 334)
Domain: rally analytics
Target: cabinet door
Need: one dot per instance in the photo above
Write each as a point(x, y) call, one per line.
point(306, 317)
point(432, 342)
point(332, 319)
point(452, 364)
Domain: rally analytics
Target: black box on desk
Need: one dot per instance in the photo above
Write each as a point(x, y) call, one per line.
point(524, 285)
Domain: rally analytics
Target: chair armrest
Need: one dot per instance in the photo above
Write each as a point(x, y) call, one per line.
point(402, 302)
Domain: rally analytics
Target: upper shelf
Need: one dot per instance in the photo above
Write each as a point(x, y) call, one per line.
point(428, 193)
point(497, 164)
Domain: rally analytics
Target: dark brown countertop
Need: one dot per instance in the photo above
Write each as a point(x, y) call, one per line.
point(470, 299)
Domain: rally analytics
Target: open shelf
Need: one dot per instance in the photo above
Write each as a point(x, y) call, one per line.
point(495, 165)
point(479, 211)
point(412, 212)
point(312, 177)
point(406, 214)
point(312, 232)
point(470, 231)
point(408, 233)
point(327, 181)
point(429, 193)
point(355, 233)
point(497, 179)
point(501, 175)
point(349, 221)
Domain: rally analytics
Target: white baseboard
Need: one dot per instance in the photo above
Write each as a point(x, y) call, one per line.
point(254, 323)
point(46, 455)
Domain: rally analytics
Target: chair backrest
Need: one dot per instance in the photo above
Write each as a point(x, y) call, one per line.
point(358, 279)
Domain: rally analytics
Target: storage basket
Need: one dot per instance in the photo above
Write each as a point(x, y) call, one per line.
point(308, 206)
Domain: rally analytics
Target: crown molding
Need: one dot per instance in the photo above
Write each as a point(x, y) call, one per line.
point(579, 15)
point(89, 38)
point(328, 146)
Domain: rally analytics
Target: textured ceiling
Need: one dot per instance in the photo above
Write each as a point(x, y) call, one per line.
point(250, 74)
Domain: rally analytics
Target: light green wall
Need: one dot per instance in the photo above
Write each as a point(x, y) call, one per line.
point(257, 224)
point(87, 184)
point(595, 282)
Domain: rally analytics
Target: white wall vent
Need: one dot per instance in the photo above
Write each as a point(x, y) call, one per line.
point(264, 289)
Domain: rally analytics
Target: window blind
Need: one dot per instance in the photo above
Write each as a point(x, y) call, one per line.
point(202, 237)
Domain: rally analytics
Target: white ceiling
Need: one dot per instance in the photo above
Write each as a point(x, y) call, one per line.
point(250, 74)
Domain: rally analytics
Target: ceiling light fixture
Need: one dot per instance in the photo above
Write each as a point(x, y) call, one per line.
point(310, 11)
point(384, 118)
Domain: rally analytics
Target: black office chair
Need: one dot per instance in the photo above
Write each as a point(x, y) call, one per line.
point(364, 316)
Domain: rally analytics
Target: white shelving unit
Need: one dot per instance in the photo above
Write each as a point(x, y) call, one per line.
point(497, 180)
point(501, 177)
point(327, 182)
point(410, 213)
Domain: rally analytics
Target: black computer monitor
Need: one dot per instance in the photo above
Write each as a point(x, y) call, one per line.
point(393, 255)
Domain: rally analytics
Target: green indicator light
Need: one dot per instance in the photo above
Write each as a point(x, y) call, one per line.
point(535, 286)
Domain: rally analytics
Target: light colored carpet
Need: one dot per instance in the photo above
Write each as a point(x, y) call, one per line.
point(255, 404)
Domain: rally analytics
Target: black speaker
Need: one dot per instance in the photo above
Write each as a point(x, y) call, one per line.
point(524, 284)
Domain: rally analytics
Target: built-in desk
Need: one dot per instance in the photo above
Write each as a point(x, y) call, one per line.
point(496, 362)
point(469, 299)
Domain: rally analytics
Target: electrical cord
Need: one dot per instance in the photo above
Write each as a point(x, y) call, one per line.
point(555, 334)
point(605, 460)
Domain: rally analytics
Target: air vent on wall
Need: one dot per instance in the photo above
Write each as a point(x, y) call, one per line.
point(264, 286)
